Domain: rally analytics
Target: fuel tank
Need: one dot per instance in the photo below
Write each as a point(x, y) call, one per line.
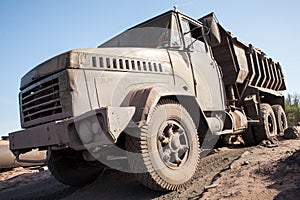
point(8, 159)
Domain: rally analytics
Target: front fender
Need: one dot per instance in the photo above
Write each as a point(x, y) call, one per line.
point(145, 99)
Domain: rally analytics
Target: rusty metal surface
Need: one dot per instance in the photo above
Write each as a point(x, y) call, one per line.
point(68, 132)
point(238, 60)
point(40, 136)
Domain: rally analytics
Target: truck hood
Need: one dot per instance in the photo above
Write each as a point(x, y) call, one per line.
point(82, 58)
point(51, 66)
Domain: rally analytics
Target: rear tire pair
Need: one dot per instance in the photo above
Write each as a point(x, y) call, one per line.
point(274, 121)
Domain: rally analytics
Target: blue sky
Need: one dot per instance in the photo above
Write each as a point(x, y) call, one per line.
point(33, 31)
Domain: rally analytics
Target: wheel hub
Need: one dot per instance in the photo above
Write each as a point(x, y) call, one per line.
point(173, 144)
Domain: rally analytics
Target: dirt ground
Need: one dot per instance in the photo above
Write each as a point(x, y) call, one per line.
point(261, 172)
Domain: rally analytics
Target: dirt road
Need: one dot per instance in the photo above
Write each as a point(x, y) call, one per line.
point(261, 172)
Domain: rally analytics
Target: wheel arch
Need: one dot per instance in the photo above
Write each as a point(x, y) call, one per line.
point(145, 100)
point(194, 109)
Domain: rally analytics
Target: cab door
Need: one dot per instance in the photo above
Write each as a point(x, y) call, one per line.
point(208, 81)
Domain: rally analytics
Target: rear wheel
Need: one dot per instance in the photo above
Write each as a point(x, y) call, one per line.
point(268, 129)
point(281, 118)
point(69, 168)
point(165, 154)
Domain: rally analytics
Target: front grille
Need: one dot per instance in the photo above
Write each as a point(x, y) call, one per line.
point(41, 100)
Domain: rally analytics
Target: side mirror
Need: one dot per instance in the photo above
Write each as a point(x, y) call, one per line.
point(213, 36)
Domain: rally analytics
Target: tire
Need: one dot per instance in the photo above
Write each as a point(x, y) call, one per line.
point(281, 118)
point(164, 155)
point(268, 129)
point(249, 137)
point(74, 171)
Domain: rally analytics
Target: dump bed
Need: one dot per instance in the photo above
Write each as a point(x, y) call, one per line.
point(240, 61)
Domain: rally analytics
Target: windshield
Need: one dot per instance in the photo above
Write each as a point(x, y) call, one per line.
point(151, 34)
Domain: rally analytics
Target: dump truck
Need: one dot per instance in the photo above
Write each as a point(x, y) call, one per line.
point(151, 101)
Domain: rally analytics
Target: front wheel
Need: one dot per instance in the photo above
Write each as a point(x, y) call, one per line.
point(68, 167)
point(165, 154)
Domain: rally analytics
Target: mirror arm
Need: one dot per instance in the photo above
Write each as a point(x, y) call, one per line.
point(206, 30)
point(192, 30)
point(189, 46)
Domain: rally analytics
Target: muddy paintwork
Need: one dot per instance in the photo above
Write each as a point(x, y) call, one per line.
point(63, 100)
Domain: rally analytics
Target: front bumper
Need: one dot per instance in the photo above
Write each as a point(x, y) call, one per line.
point(94, 128)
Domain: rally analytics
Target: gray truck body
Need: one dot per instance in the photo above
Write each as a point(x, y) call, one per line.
point(118, 85)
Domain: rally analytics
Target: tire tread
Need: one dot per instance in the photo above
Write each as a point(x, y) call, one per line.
point(138, 144)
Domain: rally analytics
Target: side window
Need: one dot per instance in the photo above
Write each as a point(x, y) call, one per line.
point(193, 36)
point(186, 32)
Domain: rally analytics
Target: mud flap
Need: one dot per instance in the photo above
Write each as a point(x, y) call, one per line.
point(117, 119)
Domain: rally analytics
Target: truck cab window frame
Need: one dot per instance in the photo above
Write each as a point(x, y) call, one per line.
point(193, 36)
point(154, 33)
